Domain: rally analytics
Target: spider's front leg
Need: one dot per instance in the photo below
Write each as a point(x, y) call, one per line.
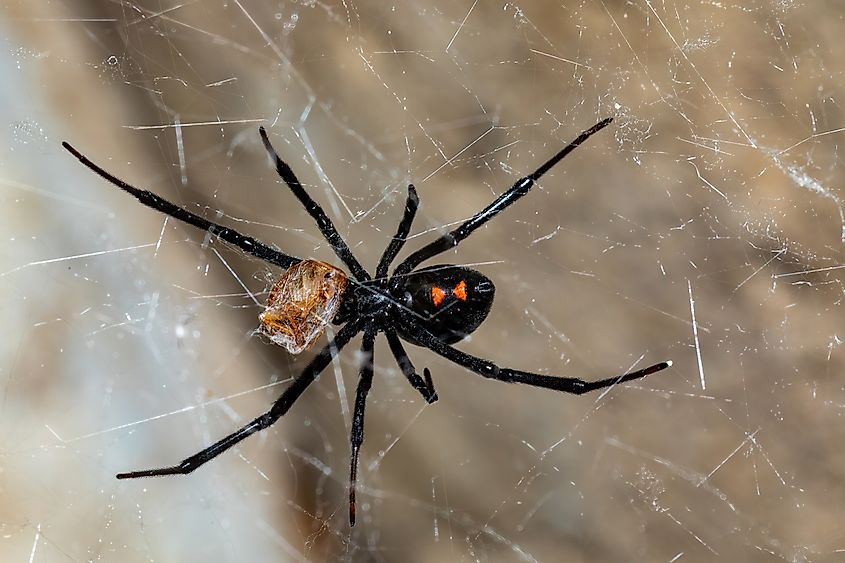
point(153, 201)
point(327, 228)
point(279, 408)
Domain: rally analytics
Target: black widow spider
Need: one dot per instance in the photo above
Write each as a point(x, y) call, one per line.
point(432, 307)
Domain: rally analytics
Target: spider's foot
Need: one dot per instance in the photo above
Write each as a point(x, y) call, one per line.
point(352, 510)
point(181, 469)
point(646, 371)
point(660, 367)
point(431, 394)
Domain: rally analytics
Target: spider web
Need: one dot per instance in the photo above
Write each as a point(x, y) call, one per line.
point(704, 226)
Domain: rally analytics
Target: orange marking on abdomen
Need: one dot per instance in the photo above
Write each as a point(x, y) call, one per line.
point(460, 291)
point(437, 295)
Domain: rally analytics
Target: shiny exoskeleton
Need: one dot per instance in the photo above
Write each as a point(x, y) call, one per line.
point(432, 307)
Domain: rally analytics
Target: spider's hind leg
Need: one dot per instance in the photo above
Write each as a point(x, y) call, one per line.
point(450, 240)
point(488, 369)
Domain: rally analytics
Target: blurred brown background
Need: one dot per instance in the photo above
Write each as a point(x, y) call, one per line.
point(127, 339)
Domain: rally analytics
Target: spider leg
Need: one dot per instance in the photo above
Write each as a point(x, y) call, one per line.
point(151, 200)
point(425, 388)
point(490, 370)
point(279, 408)
point(401, 235)
point(327, 228)
point(365, 382)
point(519, 189)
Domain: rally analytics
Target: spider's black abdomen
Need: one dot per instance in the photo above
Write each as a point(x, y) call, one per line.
point(449, 301)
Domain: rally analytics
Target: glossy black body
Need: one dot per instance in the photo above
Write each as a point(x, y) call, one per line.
point(431, 307)
point(453, 319)
point(407, 302)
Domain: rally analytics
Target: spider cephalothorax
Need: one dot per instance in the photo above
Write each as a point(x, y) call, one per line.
point(432, 307)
